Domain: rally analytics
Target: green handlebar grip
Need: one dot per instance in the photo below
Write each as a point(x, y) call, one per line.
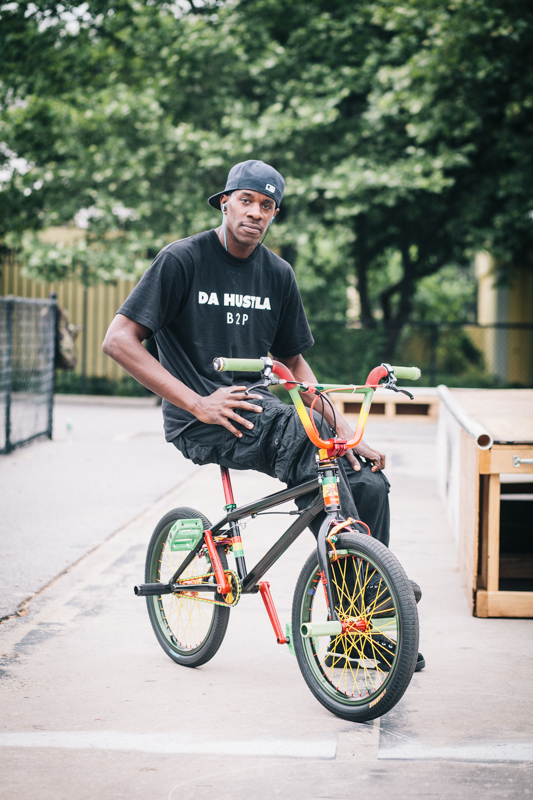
point(238, 364)
point(407, 373)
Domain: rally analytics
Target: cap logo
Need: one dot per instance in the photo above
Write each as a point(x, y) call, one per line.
point(270, 188)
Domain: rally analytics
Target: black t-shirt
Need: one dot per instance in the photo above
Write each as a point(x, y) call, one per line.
point(201, 302)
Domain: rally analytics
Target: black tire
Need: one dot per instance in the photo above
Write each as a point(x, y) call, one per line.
point(190, 630)
point(359, 675)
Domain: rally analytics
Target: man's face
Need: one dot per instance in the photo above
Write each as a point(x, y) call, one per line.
point(248, 215)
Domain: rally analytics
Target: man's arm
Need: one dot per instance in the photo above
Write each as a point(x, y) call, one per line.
point(123, 343)
point(303, 373)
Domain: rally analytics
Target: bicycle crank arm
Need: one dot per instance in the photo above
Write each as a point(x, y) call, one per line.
point(153, 589)
point(195, 587)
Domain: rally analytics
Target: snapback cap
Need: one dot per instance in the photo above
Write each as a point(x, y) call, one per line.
point(256, 176)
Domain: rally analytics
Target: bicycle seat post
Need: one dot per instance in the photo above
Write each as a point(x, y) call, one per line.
point(236, 545)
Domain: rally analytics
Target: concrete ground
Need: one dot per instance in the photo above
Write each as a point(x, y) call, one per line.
point(107, 463)
point(93, 708)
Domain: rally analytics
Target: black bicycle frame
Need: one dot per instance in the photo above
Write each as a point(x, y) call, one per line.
point(250, 580)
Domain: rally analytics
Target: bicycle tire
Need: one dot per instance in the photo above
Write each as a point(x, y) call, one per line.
point(189, 629)
point(359, 675)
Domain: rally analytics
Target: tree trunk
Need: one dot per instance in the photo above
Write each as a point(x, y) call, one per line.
point(361, 257)
point(395, 321)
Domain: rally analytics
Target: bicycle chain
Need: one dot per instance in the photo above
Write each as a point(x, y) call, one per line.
point(235, 594)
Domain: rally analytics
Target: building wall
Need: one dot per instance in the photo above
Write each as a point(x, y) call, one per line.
point(508, 353)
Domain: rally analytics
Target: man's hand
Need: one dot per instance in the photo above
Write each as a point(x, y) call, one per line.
point(123, 343)
point(362, 449)
point(220, 407)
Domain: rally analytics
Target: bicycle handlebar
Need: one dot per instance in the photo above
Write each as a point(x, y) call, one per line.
point(332, 447)
point(257, 365)
point(407, 373)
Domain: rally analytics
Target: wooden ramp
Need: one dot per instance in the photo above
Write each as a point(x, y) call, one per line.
point(489, 495)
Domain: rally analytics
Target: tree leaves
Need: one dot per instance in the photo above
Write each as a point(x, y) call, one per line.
point(401, 131)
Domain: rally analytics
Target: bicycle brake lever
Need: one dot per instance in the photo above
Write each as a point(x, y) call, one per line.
point(404, 391)
point(269, 379)
point(394, 388)
point(255, 386)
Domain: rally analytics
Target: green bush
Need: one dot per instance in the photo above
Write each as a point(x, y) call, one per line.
point(73, 383)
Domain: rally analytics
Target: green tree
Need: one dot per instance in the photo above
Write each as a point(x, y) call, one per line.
point(403, 131)
point(421, 146)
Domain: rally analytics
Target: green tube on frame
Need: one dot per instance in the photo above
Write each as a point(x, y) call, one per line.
point(330, 628)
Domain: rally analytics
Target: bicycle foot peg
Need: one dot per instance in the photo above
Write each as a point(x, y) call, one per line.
point(152, 589)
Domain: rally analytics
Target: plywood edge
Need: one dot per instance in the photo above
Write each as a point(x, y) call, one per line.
point(504, 604)
point(484, 461)
point(468, 512)
point(482, 604)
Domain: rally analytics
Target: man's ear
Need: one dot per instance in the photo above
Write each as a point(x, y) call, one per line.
point(223, 200)
point(276, 212)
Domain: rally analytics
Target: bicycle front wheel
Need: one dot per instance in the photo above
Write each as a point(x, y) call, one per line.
point(361, 673)
point(189, 627)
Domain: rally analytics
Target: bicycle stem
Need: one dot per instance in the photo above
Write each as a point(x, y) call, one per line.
point(331, 446)
point(328, 444)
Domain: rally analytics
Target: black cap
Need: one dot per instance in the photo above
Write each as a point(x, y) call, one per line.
point(256, 176)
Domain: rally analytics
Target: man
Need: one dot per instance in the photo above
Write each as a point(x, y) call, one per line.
point(222, 293)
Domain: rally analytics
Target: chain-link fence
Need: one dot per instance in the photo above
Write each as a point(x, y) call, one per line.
point(457, 354)
point(27, 352)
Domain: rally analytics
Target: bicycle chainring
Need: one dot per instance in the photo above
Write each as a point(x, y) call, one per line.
point(234, 595)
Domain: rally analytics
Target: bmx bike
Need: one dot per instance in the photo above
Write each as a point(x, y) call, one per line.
point(354, 627)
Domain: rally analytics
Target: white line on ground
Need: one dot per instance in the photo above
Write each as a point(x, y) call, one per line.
point(480, 751)
point(325, 748)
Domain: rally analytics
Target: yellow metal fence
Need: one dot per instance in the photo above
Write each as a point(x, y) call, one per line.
point(93, 309)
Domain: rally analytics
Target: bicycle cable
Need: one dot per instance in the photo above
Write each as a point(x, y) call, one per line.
point(323, 397)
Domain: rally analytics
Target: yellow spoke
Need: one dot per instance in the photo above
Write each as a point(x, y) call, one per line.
point(187, 617)
point(349, 611)
point(350, 662)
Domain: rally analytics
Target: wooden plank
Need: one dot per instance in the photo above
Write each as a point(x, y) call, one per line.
point(484, 462)
point(501, 458)
point(482, 603)
point(493, 546)
point(504, 604)
point(507, 414)
point(396, 406)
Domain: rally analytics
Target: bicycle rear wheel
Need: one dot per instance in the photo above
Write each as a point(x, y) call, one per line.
point(361, 674)
point(190, 628)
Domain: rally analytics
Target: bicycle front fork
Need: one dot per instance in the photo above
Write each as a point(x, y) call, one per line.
point(328, 475)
